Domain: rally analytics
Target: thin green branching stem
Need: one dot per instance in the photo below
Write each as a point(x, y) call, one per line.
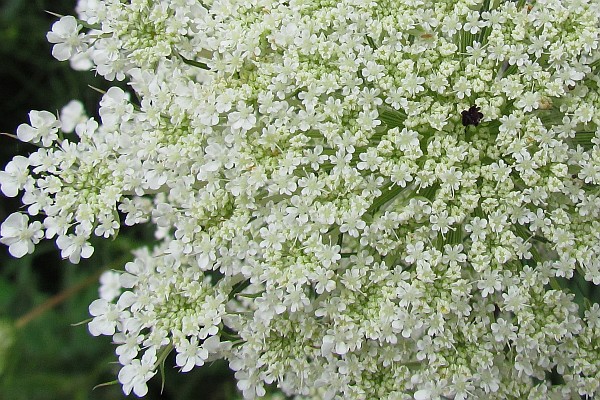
point(97, 89)
point(111, 383)
point(79, 21)
point(10, 135)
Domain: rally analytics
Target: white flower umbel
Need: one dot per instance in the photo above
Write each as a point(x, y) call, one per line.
point(352, 199)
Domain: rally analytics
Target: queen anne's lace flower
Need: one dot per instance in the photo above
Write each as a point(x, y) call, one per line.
point(353, 199)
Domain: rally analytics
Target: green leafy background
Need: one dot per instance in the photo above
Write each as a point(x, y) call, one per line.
point(43, 356)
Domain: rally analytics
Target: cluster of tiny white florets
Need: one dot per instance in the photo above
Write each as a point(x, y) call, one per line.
point(353, 199)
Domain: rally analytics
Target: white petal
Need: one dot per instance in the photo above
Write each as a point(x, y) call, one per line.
point(126, 300)
point(87, 251)
point(129, 372)
point(140, 389)
point(422, 395)
point(98, 307)
point(101, 326)
point(8, 185)
point(16, 221)
point(61, 51)
point(26, 133)
point(20, 248)
point(42, 118)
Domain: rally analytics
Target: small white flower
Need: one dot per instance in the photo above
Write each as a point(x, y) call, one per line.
point(110, 286)
point(413, 83)
point(462, 87)
point(135, 375)
point(451, 24)
point(65, 33)
point(107, 315)
point(74, 247)
point(190, 354)
point(71, 115)
point(529, 101)
point(129, 346)
point(114, 106)
point(441, 222)
point(243, 118)
point(373, 71)
point(14, 176)
point(406, 139)
point(511, 124)
point(474, 23)
point(44, 127)
point(19, 235)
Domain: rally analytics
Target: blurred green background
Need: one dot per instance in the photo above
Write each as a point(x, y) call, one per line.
point(49, 358)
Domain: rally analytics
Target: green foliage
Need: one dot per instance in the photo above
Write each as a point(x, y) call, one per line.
point(30, 77)
point(50, 359)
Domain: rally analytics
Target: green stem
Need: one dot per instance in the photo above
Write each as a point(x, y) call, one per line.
point(391, 117)
point(194, 63)
point(79, 21)
point(595, 64)
point(9, 135)
point(388, 192)
point(584, 138)
point(371, 42)
point(238, 288)
point(162, 356)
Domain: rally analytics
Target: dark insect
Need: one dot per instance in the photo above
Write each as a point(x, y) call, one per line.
point(472, 116)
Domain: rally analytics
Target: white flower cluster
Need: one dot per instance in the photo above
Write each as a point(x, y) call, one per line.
point(353, 199)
